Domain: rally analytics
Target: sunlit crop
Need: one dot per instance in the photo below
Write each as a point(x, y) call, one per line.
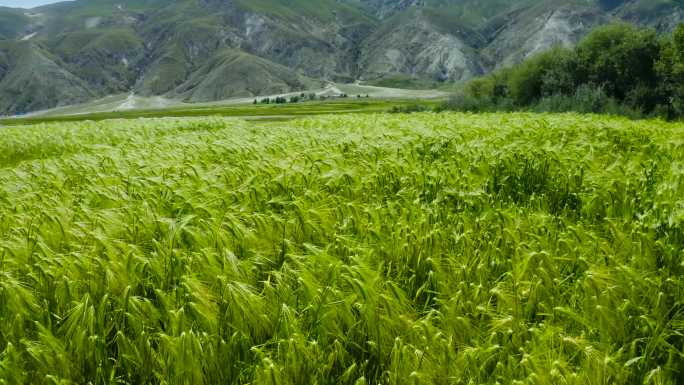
point(359, 249)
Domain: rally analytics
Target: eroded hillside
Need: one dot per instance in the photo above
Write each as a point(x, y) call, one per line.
point(202, 50)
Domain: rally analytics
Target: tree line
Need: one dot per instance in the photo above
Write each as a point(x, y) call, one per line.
point(617, 69)
point(301, 98)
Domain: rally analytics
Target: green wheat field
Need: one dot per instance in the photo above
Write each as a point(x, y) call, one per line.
point(357, 249)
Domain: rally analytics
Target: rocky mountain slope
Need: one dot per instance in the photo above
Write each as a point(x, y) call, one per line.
point(202, 50)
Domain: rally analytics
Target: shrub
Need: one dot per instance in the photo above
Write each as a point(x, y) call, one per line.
point(548, 73)
point(468, 103)
point(586, 99)
point(409, 109)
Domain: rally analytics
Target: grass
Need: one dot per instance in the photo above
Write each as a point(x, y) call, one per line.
point(343, 249)
point(405, 82)
point(352, 104)
point(295, 10)
point(12, 21)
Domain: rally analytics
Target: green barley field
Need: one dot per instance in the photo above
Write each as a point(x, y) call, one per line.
point(356, 249)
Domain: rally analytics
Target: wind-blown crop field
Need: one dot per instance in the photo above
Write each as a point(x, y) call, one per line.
point(357, 249)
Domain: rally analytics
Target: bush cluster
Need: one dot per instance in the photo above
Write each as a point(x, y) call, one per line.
point(283, 100)
point(616, 69)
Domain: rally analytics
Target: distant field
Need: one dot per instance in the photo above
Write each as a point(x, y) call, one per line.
point(360, 98)
point(342, 249)
point(259, 111)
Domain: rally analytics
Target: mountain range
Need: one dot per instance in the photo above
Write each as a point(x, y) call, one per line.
point(206, 50)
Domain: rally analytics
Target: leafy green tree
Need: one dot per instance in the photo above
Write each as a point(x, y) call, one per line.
point(481, 88)
point(621, 58)
point(671, 70)
point(678, 70)
point(619, 69)
point(560, 76)
point(491, 89)
point(547, 73)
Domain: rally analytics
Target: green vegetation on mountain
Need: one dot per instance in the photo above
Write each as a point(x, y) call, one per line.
point(159, 47)
point(12, 23)
point(409, 43)
point(104, 58)
point(232, 74)
point(298, 10)
point(472, 14)
point(33, 78)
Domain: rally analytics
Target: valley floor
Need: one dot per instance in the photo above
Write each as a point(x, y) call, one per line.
point(131, 104)
point(245, 111)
